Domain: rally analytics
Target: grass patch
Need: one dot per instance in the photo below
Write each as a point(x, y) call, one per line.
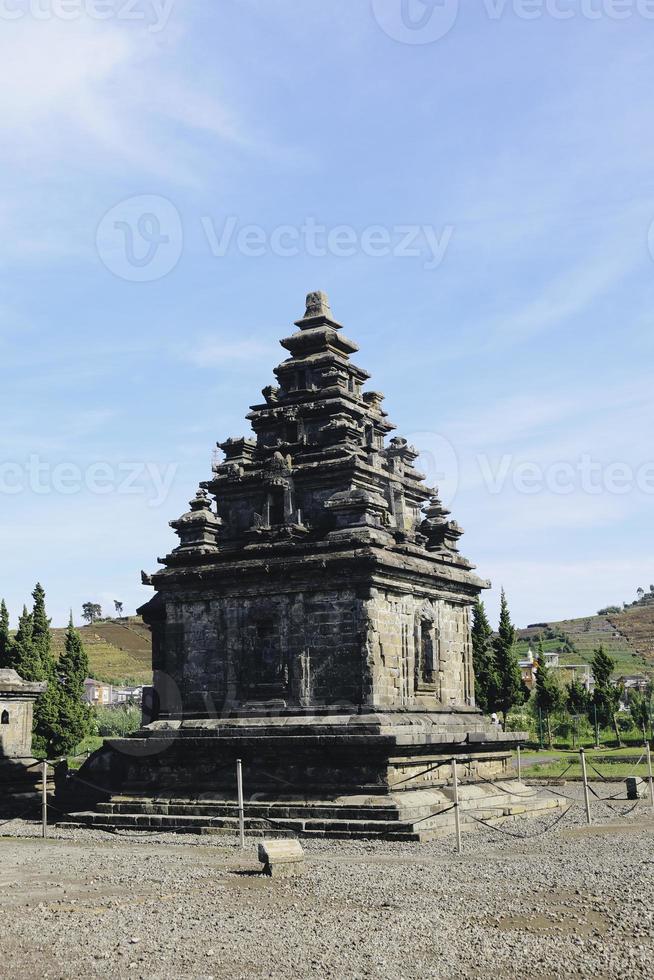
point(88, 745)
point(613, 770)
point(119, 652)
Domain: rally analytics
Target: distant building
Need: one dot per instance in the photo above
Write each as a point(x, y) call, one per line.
point(633, 682)
point(127, 695)
point(97, 693)
point(578, 672)
point(107, 695)
point(529, 663)
point(528, 669)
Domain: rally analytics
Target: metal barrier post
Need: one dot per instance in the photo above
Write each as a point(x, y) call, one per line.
point(519, 766)
point(651, 781)
point(457, 821)
point(44, 799)
point(241, 809)
point(584, 776)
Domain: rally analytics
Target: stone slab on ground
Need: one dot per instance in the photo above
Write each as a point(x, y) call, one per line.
point(281, 858)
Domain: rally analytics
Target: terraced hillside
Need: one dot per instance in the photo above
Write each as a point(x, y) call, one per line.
point(119, 650)
point(637, 625)
point(623, 636)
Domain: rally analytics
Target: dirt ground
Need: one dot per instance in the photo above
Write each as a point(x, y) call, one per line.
point(576, 901)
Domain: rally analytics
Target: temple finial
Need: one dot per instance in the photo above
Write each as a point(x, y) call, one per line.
point(318, 305)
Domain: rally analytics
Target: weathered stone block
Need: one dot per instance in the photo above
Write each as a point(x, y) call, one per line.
point(281, 858)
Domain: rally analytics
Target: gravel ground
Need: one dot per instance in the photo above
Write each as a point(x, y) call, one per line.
point(573, 902)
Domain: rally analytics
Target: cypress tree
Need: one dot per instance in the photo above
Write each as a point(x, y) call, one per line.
point(47, 730)
point(24, 658)
point(577, 698)
point(483, 659)
point(606, 697)
point(509, 678)
point(41, 631)
point(5, 638)
point(75, 721)
point(548, 693)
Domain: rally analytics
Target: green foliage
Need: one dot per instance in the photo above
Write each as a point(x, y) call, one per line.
point(640, 708)
point(88, 745)
point(24, 657)
point(117, 721)
point(549, 696)
point(91, 612)
point(5, 638)
point(483, 658)
point(510, 689)
point(521, 722)
point(609, 610)
point(41, 632)
point(75, 721)
point(47, 738)
point(577, 698)
point(55, 722)
point(603, 667)
point(606, 698)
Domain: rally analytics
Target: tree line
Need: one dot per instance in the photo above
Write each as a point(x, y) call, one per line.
point(61, 717)
point(499, 686)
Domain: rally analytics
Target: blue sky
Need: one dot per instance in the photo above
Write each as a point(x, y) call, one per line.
point(511, 157)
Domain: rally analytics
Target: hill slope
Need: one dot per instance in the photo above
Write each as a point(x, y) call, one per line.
point(628, 637)
point(119, 651)
point(636, 624)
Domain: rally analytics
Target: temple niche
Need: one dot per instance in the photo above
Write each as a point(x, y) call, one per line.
point(313, 622)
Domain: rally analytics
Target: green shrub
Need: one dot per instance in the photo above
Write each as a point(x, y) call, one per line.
point(118, 721)
point(520, 722)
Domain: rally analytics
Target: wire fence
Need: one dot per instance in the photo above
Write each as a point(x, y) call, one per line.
point(463, 811)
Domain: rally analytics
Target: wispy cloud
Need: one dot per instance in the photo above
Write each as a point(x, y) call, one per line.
point(217, 353)
point(571, 292)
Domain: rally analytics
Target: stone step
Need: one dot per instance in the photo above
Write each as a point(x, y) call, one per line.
point(373, 826)
point(435, 825)
point(164, 823)
point(253, 810)
point(405, 810)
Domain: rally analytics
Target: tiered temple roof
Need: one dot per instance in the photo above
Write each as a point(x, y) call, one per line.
point(319, 472)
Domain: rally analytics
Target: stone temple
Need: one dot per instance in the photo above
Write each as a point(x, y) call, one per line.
point(19, 774)
point(314, 622)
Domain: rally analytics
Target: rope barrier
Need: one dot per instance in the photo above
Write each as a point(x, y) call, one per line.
point(540, 833)
point(430, 815)
point(20, 816)
point(417, 775)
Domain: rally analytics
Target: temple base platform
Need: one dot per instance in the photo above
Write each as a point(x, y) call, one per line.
point(379, 775)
